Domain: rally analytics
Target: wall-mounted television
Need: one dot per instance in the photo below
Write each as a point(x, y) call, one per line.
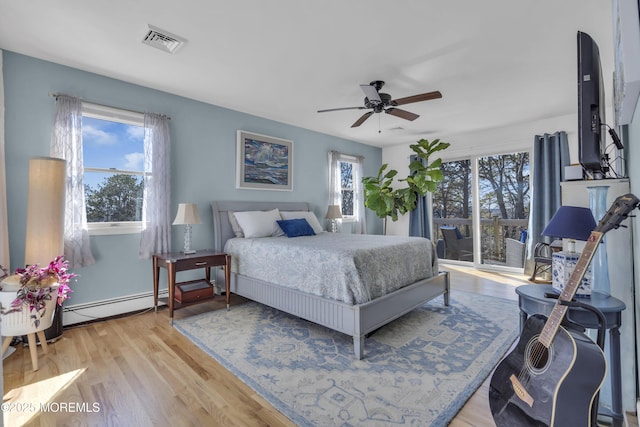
point(591, 108)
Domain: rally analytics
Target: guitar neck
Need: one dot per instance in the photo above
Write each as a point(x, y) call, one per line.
point(557, 314)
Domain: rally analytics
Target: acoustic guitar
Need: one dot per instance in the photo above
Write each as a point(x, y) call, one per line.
point(553, 375)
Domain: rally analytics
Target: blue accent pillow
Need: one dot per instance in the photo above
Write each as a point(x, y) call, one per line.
point(523, 236)
point(296, 227)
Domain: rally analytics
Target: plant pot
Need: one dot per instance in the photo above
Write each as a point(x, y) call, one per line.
point(19, 323)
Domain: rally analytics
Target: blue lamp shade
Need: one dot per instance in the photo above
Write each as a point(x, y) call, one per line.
point(571, 222)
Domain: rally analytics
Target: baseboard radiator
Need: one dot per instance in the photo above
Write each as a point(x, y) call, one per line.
point(97, 310)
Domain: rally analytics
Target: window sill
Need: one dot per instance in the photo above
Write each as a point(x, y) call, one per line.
point(114, 228)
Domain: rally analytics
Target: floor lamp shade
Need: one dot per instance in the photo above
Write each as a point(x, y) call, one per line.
point(45, 210)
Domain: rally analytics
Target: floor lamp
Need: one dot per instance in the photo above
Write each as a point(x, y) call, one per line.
point(45, 220)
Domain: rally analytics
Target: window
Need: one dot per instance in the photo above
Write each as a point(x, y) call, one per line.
point(346, 188)
point(485, 198)
point(113, 156)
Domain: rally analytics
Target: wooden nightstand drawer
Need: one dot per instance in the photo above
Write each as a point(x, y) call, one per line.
point(193, 291)
point(202, 262)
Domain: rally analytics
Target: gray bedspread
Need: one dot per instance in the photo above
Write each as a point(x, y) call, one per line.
point(351, 268)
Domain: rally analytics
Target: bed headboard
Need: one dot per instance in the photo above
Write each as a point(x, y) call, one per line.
point(222, 227)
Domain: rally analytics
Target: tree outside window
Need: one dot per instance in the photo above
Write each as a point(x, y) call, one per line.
point(346, 188)
point(113, 154)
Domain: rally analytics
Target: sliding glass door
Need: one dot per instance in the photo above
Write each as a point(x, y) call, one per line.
point(452, 219)
point(481, 210)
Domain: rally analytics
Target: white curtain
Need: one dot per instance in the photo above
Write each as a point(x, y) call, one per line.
point(66, 143)
point(335, 195)
point(156, 235)
point(358, 197)
point(4, 227)
point(335, 186)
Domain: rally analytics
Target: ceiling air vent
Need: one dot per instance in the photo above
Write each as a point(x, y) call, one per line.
point(163, 40)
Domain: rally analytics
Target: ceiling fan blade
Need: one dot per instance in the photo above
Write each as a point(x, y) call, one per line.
point(371, 93)
point(417, 98)
point(361, 120)
point(401, 113)
point(343, 108)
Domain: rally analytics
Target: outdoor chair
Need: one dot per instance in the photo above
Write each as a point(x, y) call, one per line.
point(541, 263)
point(456, 245)
point(515, 250)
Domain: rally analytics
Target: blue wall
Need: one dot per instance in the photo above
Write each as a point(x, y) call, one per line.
point(203, 153)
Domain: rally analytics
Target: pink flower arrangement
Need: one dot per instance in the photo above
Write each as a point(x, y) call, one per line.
point(37, 287)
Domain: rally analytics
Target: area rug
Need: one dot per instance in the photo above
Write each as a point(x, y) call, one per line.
point(419, 370)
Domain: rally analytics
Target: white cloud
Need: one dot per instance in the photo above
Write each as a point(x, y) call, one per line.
point(98, 136)
point(135, 132)
point(134, 161)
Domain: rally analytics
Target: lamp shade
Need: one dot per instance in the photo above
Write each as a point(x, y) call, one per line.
point(187, 214)
point(571, 222)
point(45, 210)
point(333, 212)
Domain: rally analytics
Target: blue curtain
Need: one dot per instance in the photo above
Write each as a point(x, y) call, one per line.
point(420, 217)
point(550, 156)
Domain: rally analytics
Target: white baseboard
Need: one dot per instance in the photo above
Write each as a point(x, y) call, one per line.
point(97, 310)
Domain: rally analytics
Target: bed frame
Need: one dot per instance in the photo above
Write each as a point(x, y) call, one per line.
point(355, 320)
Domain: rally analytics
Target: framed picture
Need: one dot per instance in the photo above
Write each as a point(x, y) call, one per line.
point(626, 74)
point(264, 162)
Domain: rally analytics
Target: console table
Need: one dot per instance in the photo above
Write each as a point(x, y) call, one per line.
point(178, 261)
point(532, 300)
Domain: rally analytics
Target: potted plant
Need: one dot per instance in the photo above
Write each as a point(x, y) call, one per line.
point(35, 285)
point(423, 177)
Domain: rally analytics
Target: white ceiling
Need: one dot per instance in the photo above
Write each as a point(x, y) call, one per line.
point(497, 63)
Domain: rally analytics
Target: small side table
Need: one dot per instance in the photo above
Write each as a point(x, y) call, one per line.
point(532, 300)
point(178, 261)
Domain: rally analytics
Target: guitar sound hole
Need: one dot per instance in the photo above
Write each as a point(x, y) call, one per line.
point(537, 356)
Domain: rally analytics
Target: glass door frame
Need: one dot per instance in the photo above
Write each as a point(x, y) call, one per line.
point(475, 211)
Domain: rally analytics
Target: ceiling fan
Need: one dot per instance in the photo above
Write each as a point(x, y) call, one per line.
point(378, 102)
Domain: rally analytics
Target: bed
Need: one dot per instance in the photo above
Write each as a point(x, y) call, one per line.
point(354, 318)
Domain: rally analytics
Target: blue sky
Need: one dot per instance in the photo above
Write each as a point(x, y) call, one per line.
point(109, 144)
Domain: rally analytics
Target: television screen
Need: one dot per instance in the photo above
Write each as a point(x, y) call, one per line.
point(591, 107)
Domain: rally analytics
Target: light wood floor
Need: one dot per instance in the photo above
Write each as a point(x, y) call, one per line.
point(138, 370)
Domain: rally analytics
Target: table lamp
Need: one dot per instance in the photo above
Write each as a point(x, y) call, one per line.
point(572, 223)
point(187, 215)
point(334, 215)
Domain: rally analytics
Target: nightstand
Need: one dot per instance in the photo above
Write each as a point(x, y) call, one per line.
point(194, 291)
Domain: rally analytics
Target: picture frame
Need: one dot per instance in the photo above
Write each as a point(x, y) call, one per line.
point(626, 75)
point(263, 162)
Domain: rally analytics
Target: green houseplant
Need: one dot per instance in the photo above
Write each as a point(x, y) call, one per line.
point(423, 177)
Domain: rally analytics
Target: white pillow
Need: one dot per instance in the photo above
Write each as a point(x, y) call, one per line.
point(259, 223)
point(308, 215)
point(237, 230)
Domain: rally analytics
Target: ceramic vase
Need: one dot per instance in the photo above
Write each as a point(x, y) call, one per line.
point(599, 264)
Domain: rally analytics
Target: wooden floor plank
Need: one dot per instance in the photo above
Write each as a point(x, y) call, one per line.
point(141, 371)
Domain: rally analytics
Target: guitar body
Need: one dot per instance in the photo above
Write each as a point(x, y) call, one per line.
point(557, 386)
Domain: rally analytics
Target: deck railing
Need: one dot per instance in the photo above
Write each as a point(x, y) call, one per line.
point(494, 232)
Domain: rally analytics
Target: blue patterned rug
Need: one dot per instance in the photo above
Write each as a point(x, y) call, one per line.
point(418, 371)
